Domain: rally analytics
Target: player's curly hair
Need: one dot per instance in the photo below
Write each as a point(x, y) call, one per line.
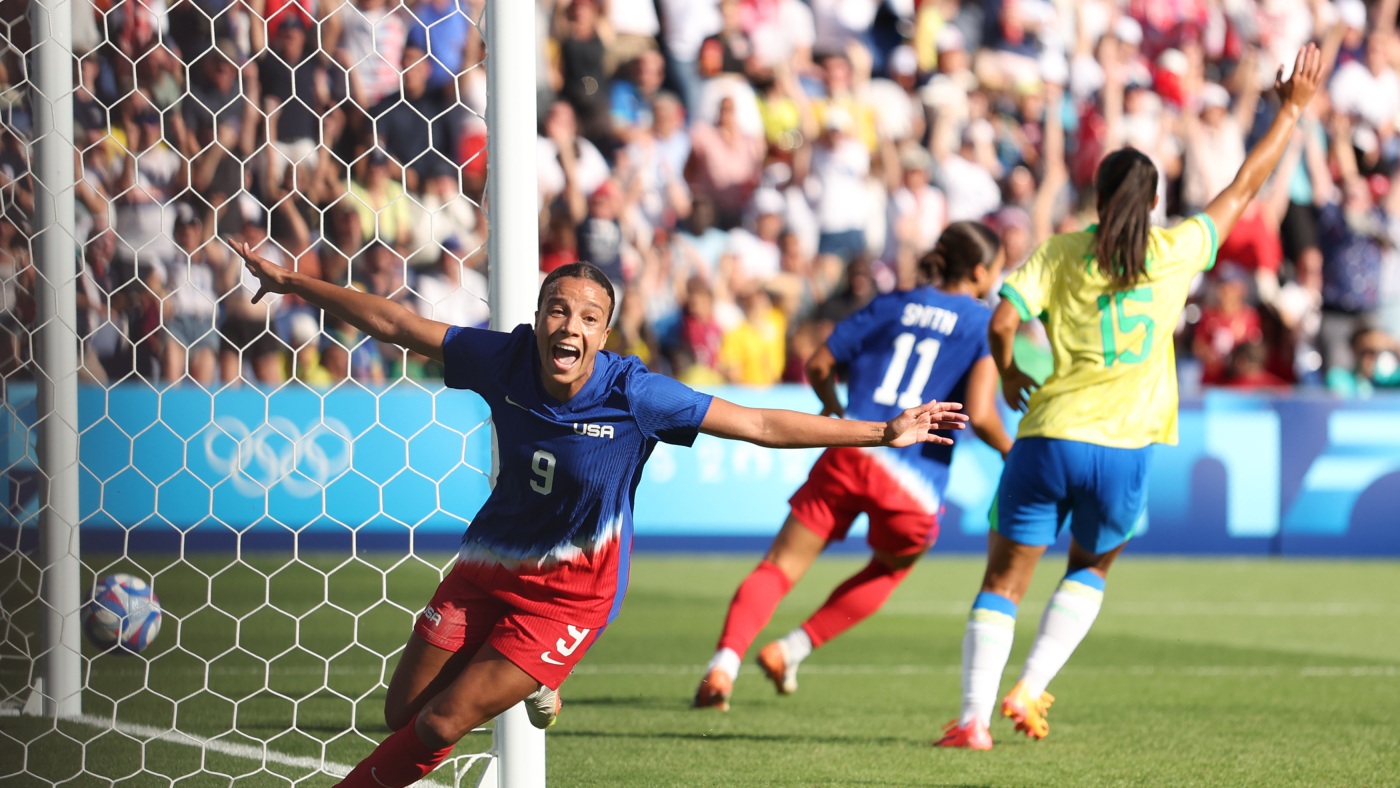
point(960, 249)
point(1127, 189)
point(579, 270)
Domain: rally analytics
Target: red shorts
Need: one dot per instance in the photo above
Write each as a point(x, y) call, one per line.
point(846, 482)
point(464, 615)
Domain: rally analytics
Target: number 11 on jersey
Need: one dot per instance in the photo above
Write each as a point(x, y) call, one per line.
point(904, 346)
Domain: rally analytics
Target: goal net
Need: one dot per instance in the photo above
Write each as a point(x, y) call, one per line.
point(291, 489)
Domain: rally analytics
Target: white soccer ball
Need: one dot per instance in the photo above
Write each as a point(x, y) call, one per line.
point(123, 613)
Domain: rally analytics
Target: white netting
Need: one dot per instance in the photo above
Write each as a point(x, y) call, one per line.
point(246, 460)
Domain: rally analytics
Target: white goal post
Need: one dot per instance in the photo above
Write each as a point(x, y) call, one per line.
point(266, 513)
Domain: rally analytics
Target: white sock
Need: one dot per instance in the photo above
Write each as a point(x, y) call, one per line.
point(727, 660)
point(797, 646)
point(1067, 619)
point(986, 649)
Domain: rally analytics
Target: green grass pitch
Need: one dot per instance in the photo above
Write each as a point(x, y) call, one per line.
point(1209, 672)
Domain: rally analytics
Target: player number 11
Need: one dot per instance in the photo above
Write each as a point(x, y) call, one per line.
point(888, 393)
point(1114, 321)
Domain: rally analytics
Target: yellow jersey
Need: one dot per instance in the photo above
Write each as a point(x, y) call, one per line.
point(1114, 379)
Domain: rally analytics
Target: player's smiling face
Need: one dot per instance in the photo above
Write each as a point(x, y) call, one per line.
point(571, 326)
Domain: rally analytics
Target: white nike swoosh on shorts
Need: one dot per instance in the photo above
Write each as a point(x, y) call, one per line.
point(551, 660)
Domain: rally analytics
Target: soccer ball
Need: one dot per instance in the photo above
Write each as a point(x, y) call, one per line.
point(123, 612)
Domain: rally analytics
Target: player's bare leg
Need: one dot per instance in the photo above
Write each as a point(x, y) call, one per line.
point(851, 602)
point(423, 671)
point(487, 685)
point(991, 629)
point(792, 553)
point(1067, 619)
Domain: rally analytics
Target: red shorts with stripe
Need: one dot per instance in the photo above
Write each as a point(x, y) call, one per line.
point(846, 482)
point(472, 607)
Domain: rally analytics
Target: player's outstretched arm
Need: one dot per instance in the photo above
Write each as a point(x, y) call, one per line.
point(1294, 95)
point(385, 320)
point(788, 429)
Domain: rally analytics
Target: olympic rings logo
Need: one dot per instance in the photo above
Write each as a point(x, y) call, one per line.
point(277, 454)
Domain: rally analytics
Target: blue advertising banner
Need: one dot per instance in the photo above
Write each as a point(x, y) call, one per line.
point(1253, 474)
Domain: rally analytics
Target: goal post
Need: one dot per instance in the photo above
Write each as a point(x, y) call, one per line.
point(512, 196)
point(56, 350)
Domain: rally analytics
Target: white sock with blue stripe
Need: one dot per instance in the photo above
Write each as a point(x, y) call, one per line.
point(991, 628)
point(1067, 619)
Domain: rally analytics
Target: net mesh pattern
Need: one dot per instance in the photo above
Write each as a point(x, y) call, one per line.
point(291, 488)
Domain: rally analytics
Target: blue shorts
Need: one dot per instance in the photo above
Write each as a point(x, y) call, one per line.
point(1101, 491)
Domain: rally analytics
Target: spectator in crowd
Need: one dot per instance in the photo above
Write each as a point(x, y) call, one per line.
point(725, 163)
point(570, 166)
point(634, 92)
point(297, 96)
point(599, 235)
point(378, 195)
point(454, 292)
point(1226, 324)
point(655, 165)
point(582, 34)
point(1354, 232)
point(249, 342)
point(753, 248)
point(411, 125)
point(373, 35)
point(443, 29)
point(190, 310)
point(754, 352)
point(836, 174)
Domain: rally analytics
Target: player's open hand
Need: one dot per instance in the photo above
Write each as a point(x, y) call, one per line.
point(920, 424)
point(1307, 76)
point(272, 278)
point(1017, 387)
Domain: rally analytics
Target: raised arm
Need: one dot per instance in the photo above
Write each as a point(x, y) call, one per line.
point(385, 320)
point(788, 429)
point(1294, 96)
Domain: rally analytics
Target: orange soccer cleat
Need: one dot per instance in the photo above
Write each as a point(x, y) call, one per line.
point(773, 659)
point(714, 691)
point(1028, 713)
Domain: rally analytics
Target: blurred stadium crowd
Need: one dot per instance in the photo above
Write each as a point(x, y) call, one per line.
point(748, 171)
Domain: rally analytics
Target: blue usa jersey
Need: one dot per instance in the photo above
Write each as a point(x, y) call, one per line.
point(905, 349)
point(566, 473)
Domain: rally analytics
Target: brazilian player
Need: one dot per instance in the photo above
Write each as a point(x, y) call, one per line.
point(902, 348)
point(1110, 298)
point(543, 566)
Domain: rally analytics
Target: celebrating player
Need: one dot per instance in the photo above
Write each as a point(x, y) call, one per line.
point(543, 566)
point(901, 349)
point(1110, 298)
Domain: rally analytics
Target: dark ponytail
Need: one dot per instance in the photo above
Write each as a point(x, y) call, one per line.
point(1126, 186)
point(960, 249)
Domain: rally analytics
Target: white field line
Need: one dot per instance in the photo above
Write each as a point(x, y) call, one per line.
point(1173, 609)
point(261, 754)
point(1202, 671)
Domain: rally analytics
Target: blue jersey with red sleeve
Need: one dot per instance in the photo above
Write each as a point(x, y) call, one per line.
point(904, 349)
point(560, 508)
